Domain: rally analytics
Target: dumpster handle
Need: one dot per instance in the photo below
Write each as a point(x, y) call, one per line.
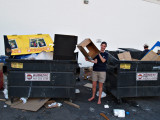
point(156, 68)
point(30, 88)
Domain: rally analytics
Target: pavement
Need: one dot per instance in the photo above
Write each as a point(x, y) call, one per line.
point(146, 108)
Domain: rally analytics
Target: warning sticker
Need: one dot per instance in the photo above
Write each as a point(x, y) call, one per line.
point(37, 76)
point(16, 65)
point(146, 76)
point(125, 66)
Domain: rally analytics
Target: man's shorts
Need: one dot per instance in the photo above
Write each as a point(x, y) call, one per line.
point(98, 76)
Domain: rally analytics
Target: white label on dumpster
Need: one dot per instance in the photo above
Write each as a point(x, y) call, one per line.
point(147, 76)
point(37, 76)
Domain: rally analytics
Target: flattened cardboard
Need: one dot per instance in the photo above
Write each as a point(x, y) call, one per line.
point(33, 104)
point(125, 56)
point(72, 104)
point(93, 50)
point(89, 85)
point(151, 56)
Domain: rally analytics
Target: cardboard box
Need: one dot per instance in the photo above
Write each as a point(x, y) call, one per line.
point(125, 56)
point(151, 56)
point(93, 50)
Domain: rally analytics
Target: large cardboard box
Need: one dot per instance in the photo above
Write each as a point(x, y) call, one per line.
point(125, 56)
point(93, 50)
point(151, 56)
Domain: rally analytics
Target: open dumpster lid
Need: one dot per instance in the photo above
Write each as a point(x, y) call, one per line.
point(130, 49)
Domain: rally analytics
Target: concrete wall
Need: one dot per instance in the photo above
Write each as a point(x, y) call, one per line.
point(121, 23)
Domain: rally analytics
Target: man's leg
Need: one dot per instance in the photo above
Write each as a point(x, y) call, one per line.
point(102, 78)
point(100, 92)
point(94, 84)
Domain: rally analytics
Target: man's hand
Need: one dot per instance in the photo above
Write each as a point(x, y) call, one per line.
point(86, 59)
point(92, 61)
point(101, 58)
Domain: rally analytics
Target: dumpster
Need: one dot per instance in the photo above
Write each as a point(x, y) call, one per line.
point(43, 78)
point(132, 78)
point(37, 78)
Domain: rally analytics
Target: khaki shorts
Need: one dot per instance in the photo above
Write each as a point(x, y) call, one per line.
point(98, 76)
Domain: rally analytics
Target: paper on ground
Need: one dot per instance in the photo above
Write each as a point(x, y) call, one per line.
point(88, 85)
point(119, 112)
point(103, 94)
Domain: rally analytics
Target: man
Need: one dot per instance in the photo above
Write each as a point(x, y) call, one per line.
point(144, 51)
point(158, 52)
point(99, 71)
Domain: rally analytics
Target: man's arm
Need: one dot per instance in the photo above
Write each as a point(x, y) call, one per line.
point(102, 59)
point(92, 61)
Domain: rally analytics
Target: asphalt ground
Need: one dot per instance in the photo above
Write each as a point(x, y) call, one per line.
point(147, 108)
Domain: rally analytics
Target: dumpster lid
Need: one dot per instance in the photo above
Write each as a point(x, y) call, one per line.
point(64, 47)
point(130, 49)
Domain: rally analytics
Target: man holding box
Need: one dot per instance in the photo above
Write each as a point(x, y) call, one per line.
point(99, 71)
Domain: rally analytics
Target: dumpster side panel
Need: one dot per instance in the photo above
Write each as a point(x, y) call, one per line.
point(17, 78)
point(133, 78)
point(41, 91)
point(41, 78)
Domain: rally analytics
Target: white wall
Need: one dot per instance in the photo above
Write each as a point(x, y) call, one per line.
point(121, 23)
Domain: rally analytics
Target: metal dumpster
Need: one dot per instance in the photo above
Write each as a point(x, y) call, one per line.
point(41, 78)
point(132, 78)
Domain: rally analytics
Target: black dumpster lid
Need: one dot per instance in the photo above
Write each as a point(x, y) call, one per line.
point(130, 49)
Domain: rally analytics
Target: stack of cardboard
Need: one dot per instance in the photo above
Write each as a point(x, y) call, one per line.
point(126, 56)
point(151, 56)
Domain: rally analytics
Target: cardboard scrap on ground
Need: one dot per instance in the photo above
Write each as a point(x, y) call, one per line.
point(151, 56)
point(17, 101)
point(88, 85)
point(2, 100)
point(33, 104)
point(72, 104)
point(125, 56)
